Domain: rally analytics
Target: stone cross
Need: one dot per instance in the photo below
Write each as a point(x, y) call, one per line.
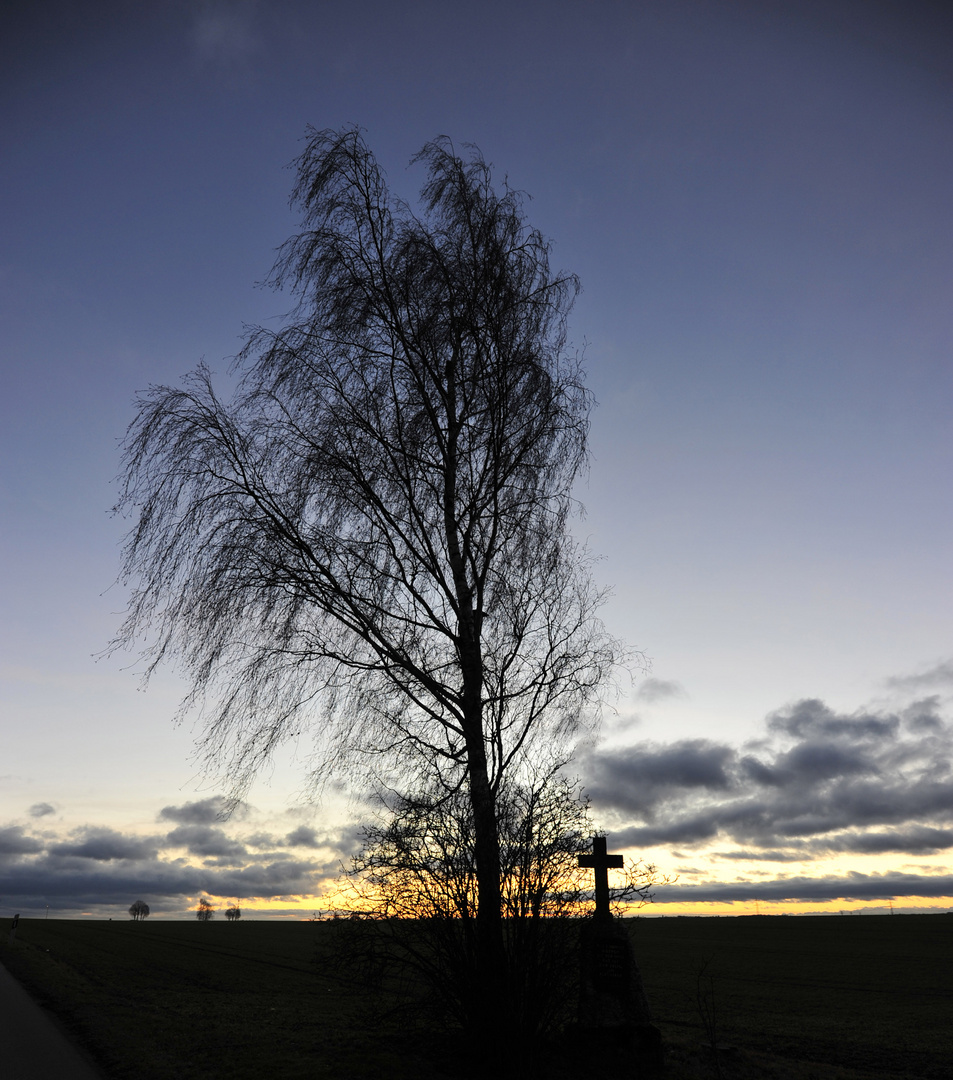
point(600, 862)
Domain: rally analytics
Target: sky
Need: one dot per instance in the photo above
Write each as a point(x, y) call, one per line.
point(756, 197)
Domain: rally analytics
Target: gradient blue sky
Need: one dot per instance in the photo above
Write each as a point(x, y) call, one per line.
point(757, 197)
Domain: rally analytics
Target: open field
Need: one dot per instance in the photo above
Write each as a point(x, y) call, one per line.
point(828, 998)
point(873, 993)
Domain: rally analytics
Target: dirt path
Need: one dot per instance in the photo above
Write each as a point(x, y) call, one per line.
point(32, 1046)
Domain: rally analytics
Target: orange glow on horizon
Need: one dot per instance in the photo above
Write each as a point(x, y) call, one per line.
point(899, 904)
point(307, 907)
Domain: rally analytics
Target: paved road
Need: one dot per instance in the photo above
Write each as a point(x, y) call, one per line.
point(32, 1046)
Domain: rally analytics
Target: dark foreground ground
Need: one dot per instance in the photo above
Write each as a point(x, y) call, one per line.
point(823, 998)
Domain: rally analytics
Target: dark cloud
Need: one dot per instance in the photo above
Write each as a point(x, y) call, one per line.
point(262, 841)
point(104, 845)
point(204, 812)
point(97, 868)
point(348, 841)
point(634, 778)
point(923, 715)
point(813, 717)
point(820, 782)
point(813, 761)
point(854, 886)
point(206, 841)
point(754, 769)
point(688, 830)
point(13, 841)
point(759, 856)
point(41, 809)
point(280, 877)
point(916, 840)
point(303, 836)
point(46, 881)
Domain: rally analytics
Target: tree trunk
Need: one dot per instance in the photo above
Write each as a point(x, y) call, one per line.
point(490, 953)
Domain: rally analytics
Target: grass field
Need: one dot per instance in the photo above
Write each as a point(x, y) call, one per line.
point(871, 993)
point(827, 998)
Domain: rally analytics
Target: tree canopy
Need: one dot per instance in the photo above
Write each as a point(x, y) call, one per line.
point(139, 910)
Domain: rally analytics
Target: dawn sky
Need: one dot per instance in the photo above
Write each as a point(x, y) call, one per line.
point(757, 198)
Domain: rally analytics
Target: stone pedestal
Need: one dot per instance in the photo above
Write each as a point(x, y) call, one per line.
point(614, 1013)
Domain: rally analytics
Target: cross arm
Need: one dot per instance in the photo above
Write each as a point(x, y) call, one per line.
point(609, 861)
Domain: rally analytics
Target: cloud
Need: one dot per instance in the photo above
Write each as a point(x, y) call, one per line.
point(819, 782)
point(812, 717)
point(46, 881)
point(655, 690)
point(915, 840)
point(303, 836)
point(923, 715)
point(638, 777)
point(758, 856)
point(205, 840)
point(99, 868)
point(939, 676)
point(41, 809)
point(205, 811)
point(13, 841)
point(852, 887)
point(810, 762)
point(262, 841)
point(104, 845)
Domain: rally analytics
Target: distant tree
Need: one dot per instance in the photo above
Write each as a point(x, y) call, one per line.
point(139, 911)
point(372, 536)
point(205, 911)
point(233, 913)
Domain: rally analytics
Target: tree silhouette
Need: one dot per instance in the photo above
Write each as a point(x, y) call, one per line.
point(204, 911)
point(371, 538)
point(139, 910)
point(417, 866)
point(233, 914)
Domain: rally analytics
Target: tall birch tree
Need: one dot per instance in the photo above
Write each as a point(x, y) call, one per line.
point(370, 536)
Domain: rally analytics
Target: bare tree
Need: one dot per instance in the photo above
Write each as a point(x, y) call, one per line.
point(233, 914)
point(204, 912)
point(415, 883)
point(139, 910)
point(371, 538)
